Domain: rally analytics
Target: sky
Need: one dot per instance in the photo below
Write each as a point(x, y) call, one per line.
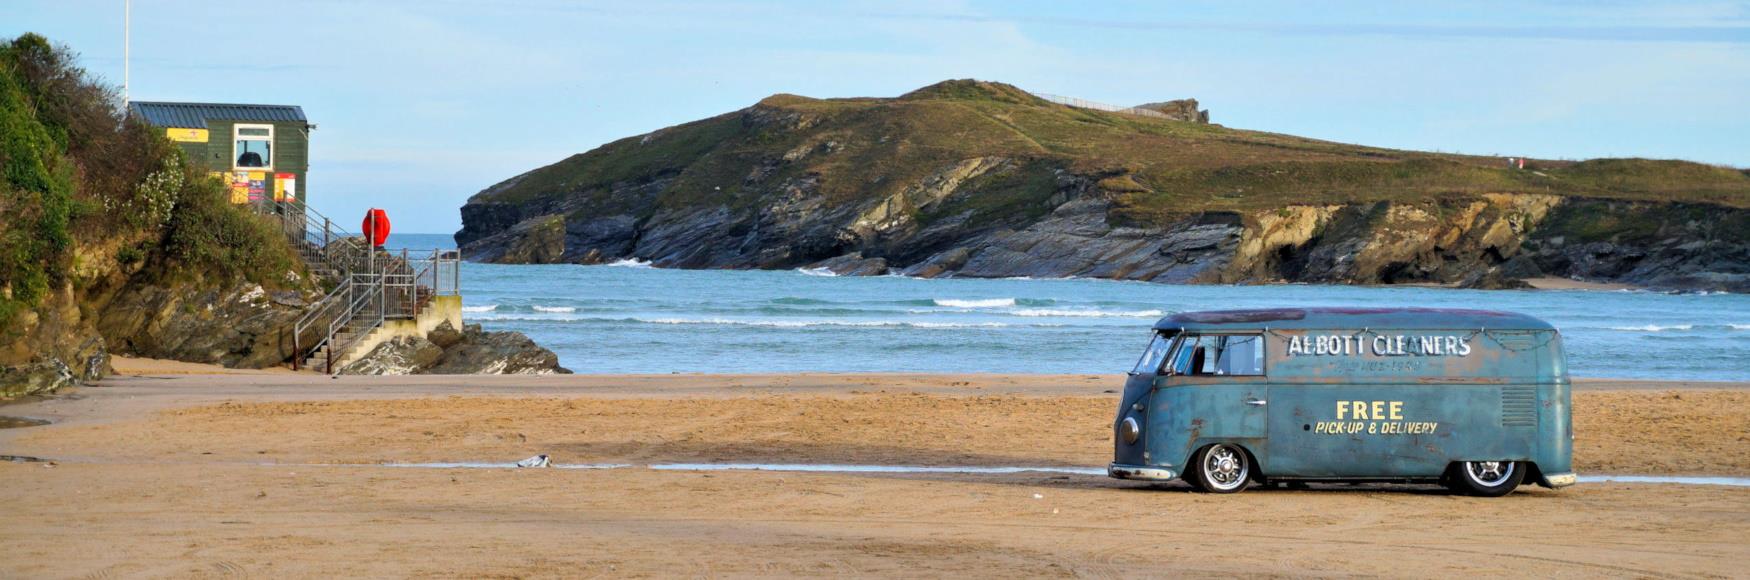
point(422, 103)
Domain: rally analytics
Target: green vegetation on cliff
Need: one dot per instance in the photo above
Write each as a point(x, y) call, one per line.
point(1158, 168)
point(110, 239)
point(84, 185)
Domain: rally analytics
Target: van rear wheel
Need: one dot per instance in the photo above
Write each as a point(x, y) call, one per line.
point(1486, 478)
point(1221, 468)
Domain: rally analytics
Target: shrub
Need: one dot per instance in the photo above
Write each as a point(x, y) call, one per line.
point(209, 235)
point(73, 168)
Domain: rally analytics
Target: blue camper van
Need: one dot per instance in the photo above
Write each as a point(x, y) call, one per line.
point(1472, 399)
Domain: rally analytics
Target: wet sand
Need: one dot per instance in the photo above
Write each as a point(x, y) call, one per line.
point(209, 475)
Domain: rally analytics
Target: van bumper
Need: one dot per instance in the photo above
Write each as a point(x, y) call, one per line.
point(1145, 473)
point(1555, 480)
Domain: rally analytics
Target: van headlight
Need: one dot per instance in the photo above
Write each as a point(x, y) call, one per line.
point(1129, 430)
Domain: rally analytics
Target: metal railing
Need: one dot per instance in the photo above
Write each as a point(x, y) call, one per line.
point(371, 285)
point(362, 319)
point(322, 314)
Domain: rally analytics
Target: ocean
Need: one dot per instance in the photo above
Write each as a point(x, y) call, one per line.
point(631, 318)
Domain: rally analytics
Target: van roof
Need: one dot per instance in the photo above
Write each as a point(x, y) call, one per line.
point(1347, 318)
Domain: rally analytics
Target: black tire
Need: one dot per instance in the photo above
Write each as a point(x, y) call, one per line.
point(1220, 468)
point(1485, 478)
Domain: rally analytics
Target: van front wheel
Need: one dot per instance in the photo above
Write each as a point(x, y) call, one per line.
point(1221, 468)
point(1486, 478)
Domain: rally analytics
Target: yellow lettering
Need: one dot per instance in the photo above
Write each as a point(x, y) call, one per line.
point(1378, 411)
point(1397, 410)
point(1342, 410)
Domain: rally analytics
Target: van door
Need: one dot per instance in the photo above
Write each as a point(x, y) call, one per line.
point(1134, 403)
point(1228, 397)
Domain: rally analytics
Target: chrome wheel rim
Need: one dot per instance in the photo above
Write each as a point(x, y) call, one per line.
point(1224, 468)
point(1488, 473)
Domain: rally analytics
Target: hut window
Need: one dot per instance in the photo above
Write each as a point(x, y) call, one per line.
point(254, 146)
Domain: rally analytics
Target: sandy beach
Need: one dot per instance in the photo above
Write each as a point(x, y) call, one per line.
point(172, 472)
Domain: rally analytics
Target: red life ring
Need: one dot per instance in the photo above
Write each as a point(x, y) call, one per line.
point(375, 226)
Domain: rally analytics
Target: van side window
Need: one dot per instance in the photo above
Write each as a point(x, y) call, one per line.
point(1220, 355)
point(1241, 354)
point(1187, 360)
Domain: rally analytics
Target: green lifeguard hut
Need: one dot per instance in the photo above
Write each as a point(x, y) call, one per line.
point(261, 152)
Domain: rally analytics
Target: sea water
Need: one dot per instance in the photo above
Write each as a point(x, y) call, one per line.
point(631, 318)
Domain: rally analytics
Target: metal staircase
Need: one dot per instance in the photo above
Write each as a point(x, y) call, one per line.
point(370, 285)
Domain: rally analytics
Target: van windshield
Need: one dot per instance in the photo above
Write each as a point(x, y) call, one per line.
point(1154, 356)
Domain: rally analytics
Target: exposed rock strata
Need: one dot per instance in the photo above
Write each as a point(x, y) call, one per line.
point(54, 346)
point(1485, 241)
point(470, 351)
point(243, 327)
point(1179, 110)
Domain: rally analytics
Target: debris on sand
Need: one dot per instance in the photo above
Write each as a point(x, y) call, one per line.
point(536, 461)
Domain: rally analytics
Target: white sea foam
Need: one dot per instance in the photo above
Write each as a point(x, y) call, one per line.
point(1654, 327)
point(975, 303)
point(1048, 312)
point(481, 308)
point(817, 272)
point(1740, 326)
point(818, 323)
point(630, 263)
point(555, 309)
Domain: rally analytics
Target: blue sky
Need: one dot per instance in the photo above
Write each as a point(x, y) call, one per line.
point(422, 103)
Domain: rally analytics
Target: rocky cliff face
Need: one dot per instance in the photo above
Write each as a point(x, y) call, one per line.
point(54, 345)
point(974, 179)
point(68, 338)
point(242, 326)
point(1179, 110)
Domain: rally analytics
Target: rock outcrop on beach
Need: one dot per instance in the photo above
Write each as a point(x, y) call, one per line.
point(979, 179)
point(447, 351)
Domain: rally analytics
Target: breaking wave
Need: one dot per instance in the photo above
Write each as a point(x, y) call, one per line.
point(629, 263)
point(817, 272)
point(1048, 312)
point(764, 323)
point(481, 308)
point(555, 309)
point(1654, 327)
point(974, 303)
point(816, 323)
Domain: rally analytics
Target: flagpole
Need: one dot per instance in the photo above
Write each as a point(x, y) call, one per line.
point(127, 42)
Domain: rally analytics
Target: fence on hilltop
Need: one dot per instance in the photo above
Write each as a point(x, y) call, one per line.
point(1098, 106)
